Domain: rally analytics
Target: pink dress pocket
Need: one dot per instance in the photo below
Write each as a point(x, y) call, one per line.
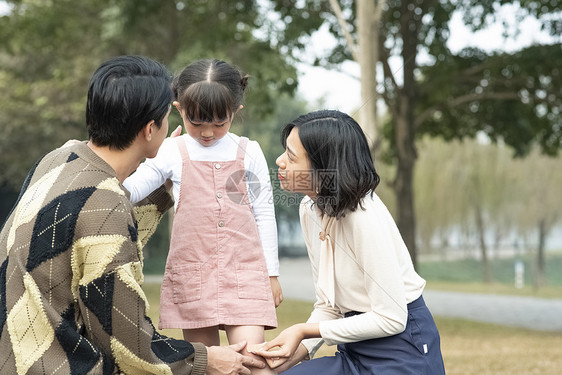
point(250, 280)
point(186, 282)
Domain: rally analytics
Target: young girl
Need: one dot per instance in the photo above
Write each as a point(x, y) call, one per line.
point(222, 268)
point(369, 297)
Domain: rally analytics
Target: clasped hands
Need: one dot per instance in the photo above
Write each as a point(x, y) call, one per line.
point(285, 350)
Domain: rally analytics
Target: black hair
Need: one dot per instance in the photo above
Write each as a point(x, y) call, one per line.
point(125, 94)
point(339, 154)
point(210, 90)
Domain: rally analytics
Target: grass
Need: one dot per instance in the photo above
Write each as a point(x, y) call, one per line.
point(496, 288)
point(502, 270)
point(468, 348)
point(466, 275)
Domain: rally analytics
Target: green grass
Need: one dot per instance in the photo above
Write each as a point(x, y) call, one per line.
point(469, 348)
point(496, 288)
point(466, 275)
point(502, 270)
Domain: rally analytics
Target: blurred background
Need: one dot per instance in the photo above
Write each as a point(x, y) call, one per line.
point(461, 101)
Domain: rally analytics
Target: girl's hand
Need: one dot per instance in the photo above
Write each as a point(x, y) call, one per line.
point(276, 290)
point(284, 347)
point(176, 132)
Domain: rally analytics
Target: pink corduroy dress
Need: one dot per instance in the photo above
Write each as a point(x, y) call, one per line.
point(216, 273)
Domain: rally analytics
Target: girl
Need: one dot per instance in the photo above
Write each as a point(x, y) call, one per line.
point(222, 268)
point(369, 297)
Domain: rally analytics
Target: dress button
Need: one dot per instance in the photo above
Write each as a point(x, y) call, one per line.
point(217, 166)
point(219, 195)
point(221, 223)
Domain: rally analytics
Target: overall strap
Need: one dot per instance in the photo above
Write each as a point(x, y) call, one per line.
point(183, 148)
point(241, 149)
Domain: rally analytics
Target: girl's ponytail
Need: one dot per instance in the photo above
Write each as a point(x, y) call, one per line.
point(244, 81)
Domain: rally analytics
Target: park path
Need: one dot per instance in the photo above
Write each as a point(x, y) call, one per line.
point(527, 312)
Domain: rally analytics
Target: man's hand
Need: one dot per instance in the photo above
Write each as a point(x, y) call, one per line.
point(227, 360)
point(276, 290)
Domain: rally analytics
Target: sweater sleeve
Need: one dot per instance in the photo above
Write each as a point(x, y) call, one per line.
point(107, 279)
point(149, 211)
point(262, 205)
point(322, 311)
point(371, 237)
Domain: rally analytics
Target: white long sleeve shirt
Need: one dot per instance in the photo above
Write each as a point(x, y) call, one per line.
point(369, 270)
point(168, 165)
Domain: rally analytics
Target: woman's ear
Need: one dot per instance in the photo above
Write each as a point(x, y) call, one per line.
point(177, 105)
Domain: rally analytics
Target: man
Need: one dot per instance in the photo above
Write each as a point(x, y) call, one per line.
point(71, 249)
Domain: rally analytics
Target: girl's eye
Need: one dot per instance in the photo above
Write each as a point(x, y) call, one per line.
point(219, 125)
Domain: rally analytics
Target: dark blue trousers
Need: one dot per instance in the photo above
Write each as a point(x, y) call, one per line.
point(416, 351)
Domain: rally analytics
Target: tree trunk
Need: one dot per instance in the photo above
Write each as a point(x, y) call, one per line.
point(368, 37)
point(404, 135)
point(403, 188)
point(540, 279)
point(486, 274)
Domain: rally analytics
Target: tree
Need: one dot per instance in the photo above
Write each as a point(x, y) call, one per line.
point(499, 199)
point(366, 53)
point(440, 181)
point(484, 181)
point(538, 178)
point(511, 96)
point(49, 50)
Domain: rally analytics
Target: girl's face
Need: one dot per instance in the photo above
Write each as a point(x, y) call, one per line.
point(295, 173)
point(206, 133)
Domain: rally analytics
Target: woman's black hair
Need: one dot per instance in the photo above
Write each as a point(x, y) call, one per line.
point(210, 90)
point(339, 154)
point(125, 94)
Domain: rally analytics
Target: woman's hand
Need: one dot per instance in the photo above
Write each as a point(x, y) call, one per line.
point(300, 355)
point(285, 345)
point(276, 290)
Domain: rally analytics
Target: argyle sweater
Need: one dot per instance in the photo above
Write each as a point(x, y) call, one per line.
point(71, 272)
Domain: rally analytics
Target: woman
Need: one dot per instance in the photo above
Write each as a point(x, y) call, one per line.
point(369, 297)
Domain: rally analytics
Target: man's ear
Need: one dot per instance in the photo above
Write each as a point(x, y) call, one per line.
point(148, 130)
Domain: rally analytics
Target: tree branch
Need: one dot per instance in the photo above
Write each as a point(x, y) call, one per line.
point(377, 16)
point(343, 24)
point(464, 99)
point(387, 77)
